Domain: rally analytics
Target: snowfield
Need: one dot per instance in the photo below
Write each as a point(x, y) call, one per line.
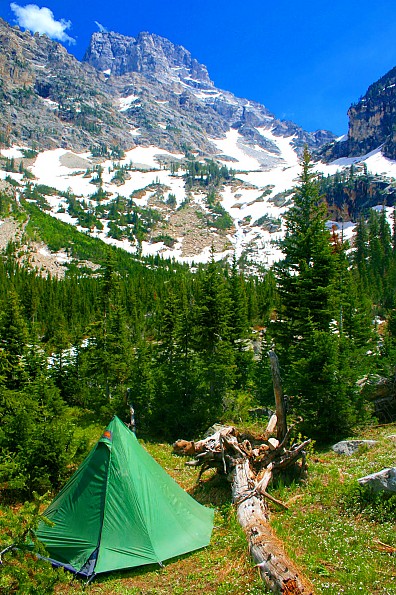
point(249, 199)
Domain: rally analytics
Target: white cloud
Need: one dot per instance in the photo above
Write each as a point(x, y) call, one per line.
point(42, 20)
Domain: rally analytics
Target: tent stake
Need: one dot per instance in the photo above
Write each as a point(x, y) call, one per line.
point(91, 578)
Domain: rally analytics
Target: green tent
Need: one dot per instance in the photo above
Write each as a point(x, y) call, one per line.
point(121, 509)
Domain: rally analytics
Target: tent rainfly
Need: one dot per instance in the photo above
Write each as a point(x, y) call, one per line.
point(120, 509)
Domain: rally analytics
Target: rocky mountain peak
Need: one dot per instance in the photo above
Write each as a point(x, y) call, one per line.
point(371, 120)
point(148, 54)
point(128, 91)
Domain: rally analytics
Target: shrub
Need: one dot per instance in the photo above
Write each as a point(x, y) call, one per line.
point(379, 507)
point(22, 570)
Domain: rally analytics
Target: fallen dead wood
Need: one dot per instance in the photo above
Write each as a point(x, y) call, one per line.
point(250, 469)
point(250, 465)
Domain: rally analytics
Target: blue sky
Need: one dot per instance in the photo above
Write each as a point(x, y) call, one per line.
point(305, 61)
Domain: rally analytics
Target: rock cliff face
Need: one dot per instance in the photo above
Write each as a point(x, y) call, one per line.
point(373, 118)
point(149, 54)
point(372, 122)
point(49, 99)
point(126, 92)
point(171, 77)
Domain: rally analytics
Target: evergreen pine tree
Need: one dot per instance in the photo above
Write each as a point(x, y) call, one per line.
point(142, 386)
point(177, 370)
point(376, 257)
point(213, 341)
point(239, 328)
point(306, 275)
point(314, 369)
point(109, 350)
point(394, 232)
point(238, 313)
point(385, 236)
point(361, 252)
point(13, 342)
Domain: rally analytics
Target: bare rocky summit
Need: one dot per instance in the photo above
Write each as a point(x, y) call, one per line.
point(127, 91)
point(149, 54)
point(49, 99)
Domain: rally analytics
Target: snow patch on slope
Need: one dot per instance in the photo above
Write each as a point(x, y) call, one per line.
point(13, 152)
point(127, 102)
point(230, 146)
point(376, 163)
point(284, 145)
point(251, 199)
point(148, 156)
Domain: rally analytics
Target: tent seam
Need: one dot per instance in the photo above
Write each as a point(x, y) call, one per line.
point(105, 503)
point(138, 504)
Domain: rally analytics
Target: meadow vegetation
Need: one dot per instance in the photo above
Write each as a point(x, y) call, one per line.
point(342, 536)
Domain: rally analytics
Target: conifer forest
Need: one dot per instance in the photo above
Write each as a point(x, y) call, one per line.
point(187, 346)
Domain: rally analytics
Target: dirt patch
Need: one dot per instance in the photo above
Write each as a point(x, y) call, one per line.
point(10, 231)
point(7, 188)
point(39, 257)
point(189, 223)
point(35, 255)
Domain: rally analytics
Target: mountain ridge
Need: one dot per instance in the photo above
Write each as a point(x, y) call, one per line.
point(122, 54)
point(372, 122)
point(51, 99)
point(137, 147)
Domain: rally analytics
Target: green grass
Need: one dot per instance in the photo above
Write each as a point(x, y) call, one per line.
point(223, 568)
point(332, 530)
point(333, 527)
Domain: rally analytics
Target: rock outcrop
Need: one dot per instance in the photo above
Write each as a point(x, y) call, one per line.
point(173, 79)
point(372, 122)
point(383, 481)
point(350, 447)
point(149, 54)
point(126, 92)
point(49, 99)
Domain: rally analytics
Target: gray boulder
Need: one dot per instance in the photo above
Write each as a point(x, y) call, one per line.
point(349, 447)
point(384, 480)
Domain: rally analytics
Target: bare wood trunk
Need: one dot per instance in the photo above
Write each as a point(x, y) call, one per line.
point(250, 465)
point(209, 444)
point(249, 494)
point(276, 569)
point(279, 400)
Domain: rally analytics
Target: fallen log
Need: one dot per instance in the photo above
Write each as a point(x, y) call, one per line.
point(250, 465)
point(189, 447)
point(279, 573)
point(250, 469)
